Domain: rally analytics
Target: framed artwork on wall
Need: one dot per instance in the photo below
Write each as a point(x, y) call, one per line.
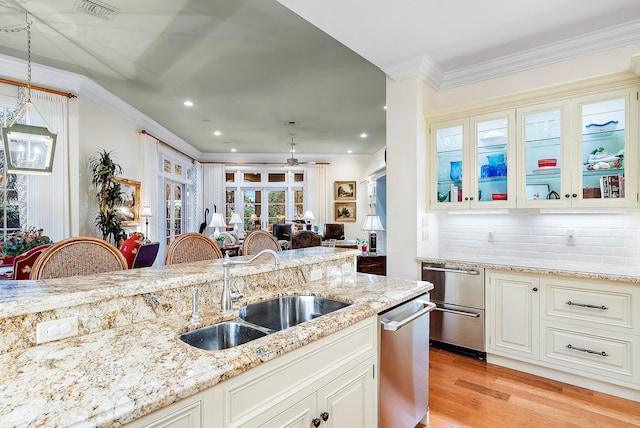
point(345, 211)
point(130, 209)
point(345, 190)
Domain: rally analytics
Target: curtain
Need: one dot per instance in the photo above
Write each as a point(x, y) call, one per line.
point(213, 188)
point(315, 191)
point(48, 195)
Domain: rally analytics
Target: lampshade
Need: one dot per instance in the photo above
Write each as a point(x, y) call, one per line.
point(372, 222)
point(235, 219)
point(217, 220)
point(254, 217)
point(146, 211)
point(308, 215)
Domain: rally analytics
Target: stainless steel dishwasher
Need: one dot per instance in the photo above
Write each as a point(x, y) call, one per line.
point(404, 363)
point(457, 323)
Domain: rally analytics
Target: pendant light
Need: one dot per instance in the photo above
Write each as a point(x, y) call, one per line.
point(28, 149)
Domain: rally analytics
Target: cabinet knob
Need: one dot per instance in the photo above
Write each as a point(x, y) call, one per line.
point(566, 195)
point(535, 288)
point(324, 416)
point(466, 198)
point(316, 422)
point(471, 198)
point(575, 195)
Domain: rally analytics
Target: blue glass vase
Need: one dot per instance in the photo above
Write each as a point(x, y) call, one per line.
point(455, 171)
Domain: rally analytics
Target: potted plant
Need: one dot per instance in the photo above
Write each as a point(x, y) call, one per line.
point(220, 240)
point(21, 242)
point(108, 219)
point(363, 244)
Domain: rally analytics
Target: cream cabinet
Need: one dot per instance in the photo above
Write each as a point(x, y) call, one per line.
point(331, 378)
point(573, 152)
point(513, 313)
point(584, 327)
point(473, 162)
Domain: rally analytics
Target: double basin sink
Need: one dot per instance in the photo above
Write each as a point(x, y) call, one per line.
point(260, 319)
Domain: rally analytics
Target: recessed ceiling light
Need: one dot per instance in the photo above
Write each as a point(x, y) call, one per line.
point(188, 103)
point(385, 107)
point(233, 150)
point(349, 151)
point(217, 133)
point(363, 135)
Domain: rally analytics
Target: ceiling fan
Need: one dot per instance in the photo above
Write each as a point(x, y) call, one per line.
point(293, 161)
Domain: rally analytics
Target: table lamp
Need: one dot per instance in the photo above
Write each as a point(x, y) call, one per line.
point(255, 219)
point(308, 216)
point(146, 213)
point(235, 221)
point(372, 224)
point(217, 221)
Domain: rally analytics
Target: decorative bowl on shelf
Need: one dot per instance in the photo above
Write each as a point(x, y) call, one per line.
point(496, 159)
point(594, 128)
point(499, 196)
point(547, 163)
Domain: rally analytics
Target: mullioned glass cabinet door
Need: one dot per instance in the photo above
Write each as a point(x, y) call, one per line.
point(450, 164)
point(493, 161)
point(544, 161)
point(606, 161)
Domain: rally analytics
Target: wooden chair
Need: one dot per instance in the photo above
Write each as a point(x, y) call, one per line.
point(83, 255)
point(304, 239)
point(259, 240)
point(192, 247)
point(146, 255)
point(23, 264)
point(333, 231)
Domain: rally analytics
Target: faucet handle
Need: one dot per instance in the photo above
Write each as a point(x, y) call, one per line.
point(195, 314)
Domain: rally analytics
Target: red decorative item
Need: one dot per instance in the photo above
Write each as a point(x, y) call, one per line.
point(547, 163)
point(499, 196)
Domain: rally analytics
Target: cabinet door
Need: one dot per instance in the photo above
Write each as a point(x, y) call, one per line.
point(183, 414)
point(513, 312)
point(605, 166)
point(450, 164)
point(544, 159)
point(297, 416)
point(349, 401)
point(492, 161)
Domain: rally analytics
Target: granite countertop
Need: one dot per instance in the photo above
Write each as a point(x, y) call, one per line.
point(574, 270)
point(114, 376)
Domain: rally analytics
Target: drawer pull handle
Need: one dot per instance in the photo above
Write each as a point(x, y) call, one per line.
point(589, 351)
point(584, 305)
point(466, 314)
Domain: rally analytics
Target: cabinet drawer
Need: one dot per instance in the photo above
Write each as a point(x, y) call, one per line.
point(376, 265)
point(608, 305)
point(590, 353)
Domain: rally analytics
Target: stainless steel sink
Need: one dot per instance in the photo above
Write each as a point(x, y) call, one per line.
point(219, 336)
point(286, 311)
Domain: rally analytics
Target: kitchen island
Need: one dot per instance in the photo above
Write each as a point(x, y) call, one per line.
point(127, 362)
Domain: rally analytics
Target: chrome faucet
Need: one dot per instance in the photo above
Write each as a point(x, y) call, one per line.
point(226, 302)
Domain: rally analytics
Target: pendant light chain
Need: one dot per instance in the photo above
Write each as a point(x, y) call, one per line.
point(28, 61)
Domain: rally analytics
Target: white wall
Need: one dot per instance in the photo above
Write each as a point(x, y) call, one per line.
point(100, 128)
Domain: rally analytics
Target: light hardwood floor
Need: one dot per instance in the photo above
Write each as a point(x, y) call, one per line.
point(464, 392)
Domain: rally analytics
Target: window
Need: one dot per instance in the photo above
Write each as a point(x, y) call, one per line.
point(13, 187)
point(178, 186)
point(264, 198)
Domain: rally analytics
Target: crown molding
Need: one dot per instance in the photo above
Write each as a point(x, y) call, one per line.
point(594, 42)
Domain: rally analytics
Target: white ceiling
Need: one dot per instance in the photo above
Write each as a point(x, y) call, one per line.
point(252, 66)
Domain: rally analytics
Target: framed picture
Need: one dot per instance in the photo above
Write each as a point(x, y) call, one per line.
point(345, 211)
point(130, 209)
point(345, 190)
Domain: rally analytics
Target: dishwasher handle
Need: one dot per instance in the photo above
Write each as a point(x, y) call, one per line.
point(397, 325)
point(450, 270)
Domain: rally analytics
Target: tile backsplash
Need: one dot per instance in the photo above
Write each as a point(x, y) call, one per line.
point(599, 239)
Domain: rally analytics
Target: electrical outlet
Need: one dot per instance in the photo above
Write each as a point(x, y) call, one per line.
point(333, 271)
point(56, 329)
point(348, 268)
point(571, 237)
point(492, 236)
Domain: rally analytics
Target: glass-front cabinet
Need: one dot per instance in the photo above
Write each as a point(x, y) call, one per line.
point(606, 164)
point(472, 160)
point(570, 153)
